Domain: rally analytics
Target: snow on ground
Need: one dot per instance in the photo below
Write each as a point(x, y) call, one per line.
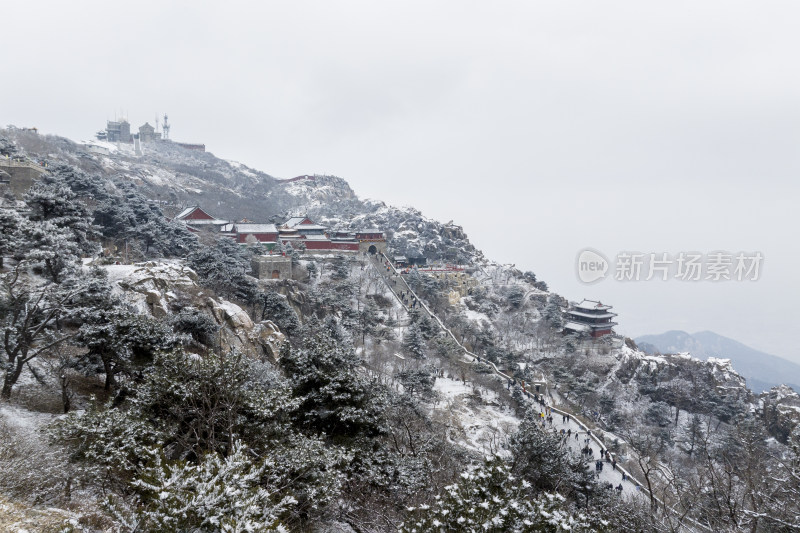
point(242, 169)
point(476, 316)
point(158, 176)
point(17, 517)
point(20, 418)
point(119, 272)
point(608, 474)
point(103, 145)
point(480, 425)
point(477, 420)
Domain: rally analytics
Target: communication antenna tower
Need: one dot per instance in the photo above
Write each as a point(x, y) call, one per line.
point(165, 128)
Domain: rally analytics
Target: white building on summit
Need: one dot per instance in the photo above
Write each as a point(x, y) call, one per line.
point(589, 317)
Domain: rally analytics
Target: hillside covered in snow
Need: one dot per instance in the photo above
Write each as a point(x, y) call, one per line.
point(153, 382)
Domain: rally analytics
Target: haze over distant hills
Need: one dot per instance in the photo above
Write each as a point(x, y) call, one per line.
point(761, 370)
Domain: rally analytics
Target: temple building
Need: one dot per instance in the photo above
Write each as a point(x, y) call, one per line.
point(589, 317)
point(196, 218)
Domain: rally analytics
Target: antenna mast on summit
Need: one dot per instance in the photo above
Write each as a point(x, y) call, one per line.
point(165, 128)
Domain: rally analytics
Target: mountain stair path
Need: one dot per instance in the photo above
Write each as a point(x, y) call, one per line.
point(562, 419)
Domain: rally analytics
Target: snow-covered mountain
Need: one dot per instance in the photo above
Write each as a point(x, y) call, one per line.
point(430, 367)
point(177, 177)
point(761, 370)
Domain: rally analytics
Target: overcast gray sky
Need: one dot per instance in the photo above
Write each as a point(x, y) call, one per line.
point(541, 127)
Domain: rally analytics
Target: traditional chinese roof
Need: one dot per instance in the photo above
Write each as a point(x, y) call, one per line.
point(585, 326)
point(189, 210)
point(296, 221)
point(575, 312)
point(574, 326)
point(196, 215)
point(591, 305)
point(256, 228)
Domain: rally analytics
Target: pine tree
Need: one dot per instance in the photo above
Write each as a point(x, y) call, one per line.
point(119, 340)
point(333, 396)
point(217, 494)
point(10, 227)
point(552, 314)
point(414, 341)
point(542, 459)
point(418, 382)
point(223, 267)
point(490, 499)
point(51, 200)
point(276, 308)
point(340, 268)
point(515, 296)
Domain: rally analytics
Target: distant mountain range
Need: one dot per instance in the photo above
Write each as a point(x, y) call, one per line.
point(761, 370)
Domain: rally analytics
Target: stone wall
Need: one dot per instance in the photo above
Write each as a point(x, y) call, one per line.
point(23, 175)
point(272, 267)
point(380, 246)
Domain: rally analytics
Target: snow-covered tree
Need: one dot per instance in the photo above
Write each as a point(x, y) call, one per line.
point(49, 249)
point(553, 314)
point(220, 493)
point(189, 410)
point(423, 320)
point(7, 147)
point(200, 326)
point(224, 267)
point(542, 459)
point(29, 314)
point(127, 216)
point(491, 499)
point(340, 268)
point(418, 382)
point(414, 341)
point(51, 200)
point(276, 308)
point(10, 226)
point(110, 445)
point(118, 339)
point(333, 396)
point(515, 296)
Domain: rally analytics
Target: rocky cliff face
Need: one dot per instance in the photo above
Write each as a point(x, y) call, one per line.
point(158, 288)
point(780, 409)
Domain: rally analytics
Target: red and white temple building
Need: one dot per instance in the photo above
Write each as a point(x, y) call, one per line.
point(299, 232)
point(591, 317)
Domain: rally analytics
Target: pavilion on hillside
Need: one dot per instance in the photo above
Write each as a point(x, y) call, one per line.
point(591, 317)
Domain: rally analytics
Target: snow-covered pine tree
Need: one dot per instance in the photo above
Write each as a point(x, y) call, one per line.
point(334, 397)
point(414, 341)
point(51, 200)
point(10, 226)
point(490, 499)
point(220, 493)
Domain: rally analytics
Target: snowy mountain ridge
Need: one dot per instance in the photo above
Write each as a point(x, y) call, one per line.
point(367, 374)
point(762, 370)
